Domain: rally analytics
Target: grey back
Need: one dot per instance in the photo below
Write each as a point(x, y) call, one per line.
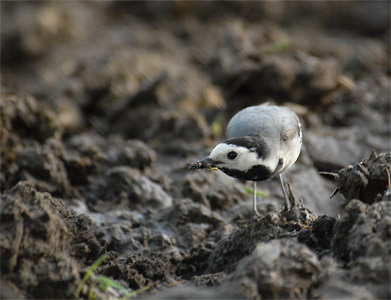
point(262, 119)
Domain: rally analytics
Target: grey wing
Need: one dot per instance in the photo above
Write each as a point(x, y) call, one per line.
point(291, 126)
point(291, 139)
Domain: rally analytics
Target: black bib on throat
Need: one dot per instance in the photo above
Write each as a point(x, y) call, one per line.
point(256, 173)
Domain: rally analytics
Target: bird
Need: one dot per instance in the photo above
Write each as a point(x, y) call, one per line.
point(262, 141)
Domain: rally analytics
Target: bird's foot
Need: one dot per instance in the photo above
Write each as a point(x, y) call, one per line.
point(290, 201)
point(295, 213)
point(256, 212)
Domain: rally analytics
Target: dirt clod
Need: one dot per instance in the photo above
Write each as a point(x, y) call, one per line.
point(366, 180)
point(34, 244)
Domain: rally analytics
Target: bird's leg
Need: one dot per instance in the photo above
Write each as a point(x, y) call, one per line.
point(286, 200)
point(255, 199)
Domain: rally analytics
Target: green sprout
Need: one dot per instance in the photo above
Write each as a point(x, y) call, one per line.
point(104, 283)
point(217, 126)
point(259, 193)
point(91, 269)
point(275, 47)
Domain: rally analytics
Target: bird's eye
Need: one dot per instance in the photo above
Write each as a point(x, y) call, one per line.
point(232, 155)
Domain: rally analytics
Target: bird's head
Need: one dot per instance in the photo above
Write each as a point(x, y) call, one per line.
point(247, 157)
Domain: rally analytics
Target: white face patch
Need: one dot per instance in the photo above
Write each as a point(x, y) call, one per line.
point(244, 161)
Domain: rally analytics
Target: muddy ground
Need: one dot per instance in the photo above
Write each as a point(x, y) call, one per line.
point(104, 104)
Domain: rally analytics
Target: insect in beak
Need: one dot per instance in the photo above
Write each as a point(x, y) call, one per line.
point(203, 164)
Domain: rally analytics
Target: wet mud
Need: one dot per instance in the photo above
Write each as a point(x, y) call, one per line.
point(105, 104)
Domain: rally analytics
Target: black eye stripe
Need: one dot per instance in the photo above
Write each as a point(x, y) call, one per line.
point(232, 155)
point(254, 142)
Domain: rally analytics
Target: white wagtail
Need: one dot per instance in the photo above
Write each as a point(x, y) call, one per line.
point(262, 142)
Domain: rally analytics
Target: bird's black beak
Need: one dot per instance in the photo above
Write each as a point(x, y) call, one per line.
point(207, 162)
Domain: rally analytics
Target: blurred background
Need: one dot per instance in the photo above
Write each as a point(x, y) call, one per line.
point(172, 73)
